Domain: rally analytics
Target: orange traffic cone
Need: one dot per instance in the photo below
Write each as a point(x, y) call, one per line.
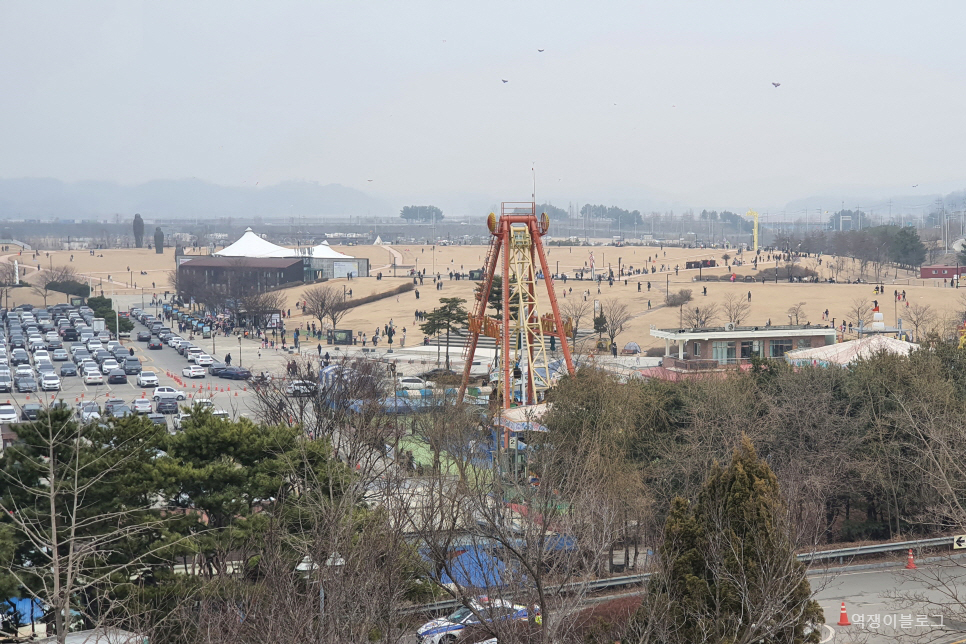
point(910, 563)
point(844, 617)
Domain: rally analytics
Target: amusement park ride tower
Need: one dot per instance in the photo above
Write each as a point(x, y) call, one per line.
point(521, 333)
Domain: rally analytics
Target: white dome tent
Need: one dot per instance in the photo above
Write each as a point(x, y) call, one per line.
point(251, 245)
point(319, 262)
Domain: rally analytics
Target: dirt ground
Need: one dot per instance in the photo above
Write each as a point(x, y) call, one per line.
point(768, 301)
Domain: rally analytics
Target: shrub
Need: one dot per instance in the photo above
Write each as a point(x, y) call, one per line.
point(375, 297)
point(70, 287)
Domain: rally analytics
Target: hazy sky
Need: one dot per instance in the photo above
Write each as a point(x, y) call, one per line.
point(672, 100)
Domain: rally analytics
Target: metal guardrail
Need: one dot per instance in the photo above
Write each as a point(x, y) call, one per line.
point(859, 551)
point(632, 580)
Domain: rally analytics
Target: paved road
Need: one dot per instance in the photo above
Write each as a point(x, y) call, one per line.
point(866, 593)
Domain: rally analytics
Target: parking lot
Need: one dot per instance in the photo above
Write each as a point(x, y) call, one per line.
point(229, 395)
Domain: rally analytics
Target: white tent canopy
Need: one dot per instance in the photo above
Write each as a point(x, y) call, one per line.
point(325, 252)
point(251, 245)
point(845, 353)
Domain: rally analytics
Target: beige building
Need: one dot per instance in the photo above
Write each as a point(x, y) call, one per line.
point(716, 347)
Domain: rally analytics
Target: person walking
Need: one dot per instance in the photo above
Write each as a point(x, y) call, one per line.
point(227, 359)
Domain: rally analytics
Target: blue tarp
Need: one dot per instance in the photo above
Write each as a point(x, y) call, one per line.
point(386, 406)
point(475, 567)
point(24, 607)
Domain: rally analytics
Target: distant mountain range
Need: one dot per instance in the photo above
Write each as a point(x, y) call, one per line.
point(188, 198)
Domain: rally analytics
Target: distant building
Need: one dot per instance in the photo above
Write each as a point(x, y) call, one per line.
point(716, 348)
point(319, 261)
point(260, 274)
point(946, 267)
point(258, 264)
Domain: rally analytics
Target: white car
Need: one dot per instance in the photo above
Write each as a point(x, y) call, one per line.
point(193, 371)
point(109, 365)
point(23, 370)
point(142, 406)
point(412, 382)
point(7, 413)
point(301, 388)
point(50, 382)
point(192, 353)
point(93, 345)
point(88, 411)
point(174, 341)
point(168, 392)
point(41, 354)
point(447, 629)
point(204, 360)
point(148, 379)
point(92, 377)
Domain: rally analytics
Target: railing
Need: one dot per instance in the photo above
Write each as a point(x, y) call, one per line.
point(702, 364)
point(635, 580)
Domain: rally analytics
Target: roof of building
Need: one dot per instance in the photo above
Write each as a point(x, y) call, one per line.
point(251, 245)
point(947, 259)
point(731, 331)
point(324, 251)
point(242, 262)
point(845, 353)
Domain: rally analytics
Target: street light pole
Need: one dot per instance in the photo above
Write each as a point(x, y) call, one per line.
point(239, 352)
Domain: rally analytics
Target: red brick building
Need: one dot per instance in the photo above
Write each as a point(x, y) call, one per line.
point(941, 271)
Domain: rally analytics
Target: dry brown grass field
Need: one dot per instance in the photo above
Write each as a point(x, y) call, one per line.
point(769, 301)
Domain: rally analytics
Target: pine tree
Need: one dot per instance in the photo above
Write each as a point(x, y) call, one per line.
point(729, 568)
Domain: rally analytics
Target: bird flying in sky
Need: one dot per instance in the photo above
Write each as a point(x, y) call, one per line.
point(504, 80)
point(776, 84)
point(540, 50)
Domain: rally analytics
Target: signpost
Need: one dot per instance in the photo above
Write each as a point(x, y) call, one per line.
point(959, 542)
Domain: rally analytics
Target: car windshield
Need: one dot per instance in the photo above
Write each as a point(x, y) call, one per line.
point(460, 614)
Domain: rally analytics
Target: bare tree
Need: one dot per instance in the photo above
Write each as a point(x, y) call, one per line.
point(617, 316)
point(43, 282)
point(499, 522)
point(257, 305)
point(575, 308)
point(858, 311)
point(735, 308)
point(326, 303)
point(834, 267)
point(921, 316)
point(700, 317)
point(60, 478)
point(796, 314)
point(678, 299)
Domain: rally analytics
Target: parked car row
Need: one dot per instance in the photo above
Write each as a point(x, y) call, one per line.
point(158, 336)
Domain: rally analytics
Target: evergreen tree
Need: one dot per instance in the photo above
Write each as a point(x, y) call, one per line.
point(600, 323)
point(450, 317)
point(729, 568)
